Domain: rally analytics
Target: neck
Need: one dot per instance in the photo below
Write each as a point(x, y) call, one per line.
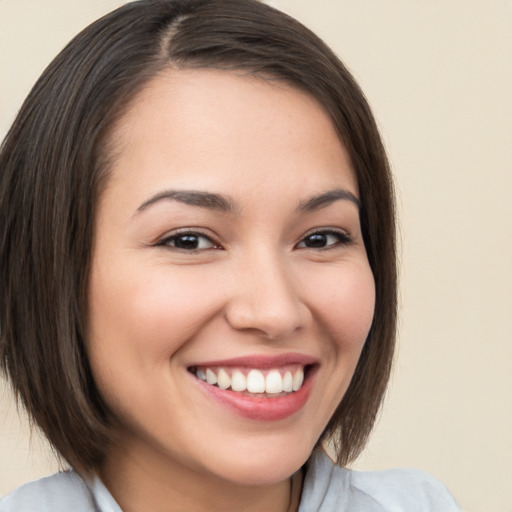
point(140, 482)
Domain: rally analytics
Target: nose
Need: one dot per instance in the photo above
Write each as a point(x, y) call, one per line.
point(264, 300)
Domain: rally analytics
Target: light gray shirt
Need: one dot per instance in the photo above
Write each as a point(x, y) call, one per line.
point(327, 488)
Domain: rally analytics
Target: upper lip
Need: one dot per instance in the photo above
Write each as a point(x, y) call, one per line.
point(260, 361)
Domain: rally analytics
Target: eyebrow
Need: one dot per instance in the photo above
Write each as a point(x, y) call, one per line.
point(327, 198)
point(225, 204)
point(207, 200)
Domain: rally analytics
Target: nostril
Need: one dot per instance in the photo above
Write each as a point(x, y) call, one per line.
point(272, 322)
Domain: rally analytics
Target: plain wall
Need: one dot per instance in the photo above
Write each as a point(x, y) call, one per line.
point(439, 77)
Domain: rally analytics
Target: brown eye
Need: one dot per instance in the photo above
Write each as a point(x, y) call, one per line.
point(316, 240)
point(324, 239)
point(188, 242)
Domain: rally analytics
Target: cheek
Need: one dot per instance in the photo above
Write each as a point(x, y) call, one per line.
point(138, 317)
point(346, 303)
point(342, 300)
point(138, 323)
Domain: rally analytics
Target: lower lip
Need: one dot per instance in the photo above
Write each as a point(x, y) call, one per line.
point(260, 408)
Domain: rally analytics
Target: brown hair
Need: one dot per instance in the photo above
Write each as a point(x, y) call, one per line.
point(53, 162)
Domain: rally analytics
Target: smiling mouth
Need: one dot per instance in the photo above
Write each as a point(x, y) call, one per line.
point(271, 382)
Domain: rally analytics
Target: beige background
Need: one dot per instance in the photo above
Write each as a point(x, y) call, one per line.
point(439, 76)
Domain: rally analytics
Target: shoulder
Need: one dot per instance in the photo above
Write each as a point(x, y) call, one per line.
point(405, 489)
point(61, 492)
point(328, 487)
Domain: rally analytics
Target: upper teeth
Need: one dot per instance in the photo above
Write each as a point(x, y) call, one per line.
point(254, 381)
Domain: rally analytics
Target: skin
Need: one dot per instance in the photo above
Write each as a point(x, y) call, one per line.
point(254, 286)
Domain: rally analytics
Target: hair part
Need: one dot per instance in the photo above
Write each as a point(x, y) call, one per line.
point(54, 163)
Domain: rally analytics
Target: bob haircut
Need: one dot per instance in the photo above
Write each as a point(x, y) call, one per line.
point(54, 163)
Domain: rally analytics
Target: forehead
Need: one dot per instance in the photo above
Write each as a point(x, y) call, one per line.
point(212, 124)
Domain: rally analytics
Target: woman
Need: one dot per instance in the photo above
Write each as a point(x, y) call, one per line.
point(198, 269)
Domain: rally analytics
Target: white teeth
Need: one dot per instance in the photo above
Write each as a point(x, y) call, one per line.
point(298, 379)
point(223, 379)
point(288, 382)
point(238, 381)
point(211, 378)
point(274, 382)
point(255, 382)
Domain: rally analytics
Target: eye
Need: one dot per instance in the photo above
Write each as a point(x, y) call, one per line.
point(189, 241)
point(324, 239)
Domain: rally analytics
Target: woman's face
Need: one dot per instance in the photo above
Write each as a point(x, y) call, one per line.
point(228, 249)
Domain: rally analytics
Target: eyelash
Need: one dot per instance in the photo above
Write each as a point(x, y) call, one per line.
point(166, 242)
point(342, 239)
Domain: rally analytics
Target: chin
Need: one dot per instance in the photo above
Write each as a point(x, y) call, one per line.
point(265, 466)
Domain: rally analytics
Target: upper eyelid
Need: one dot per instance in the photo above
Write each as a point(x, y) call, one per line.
point(185, 231)
point(214, 239)
point(327, 229)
